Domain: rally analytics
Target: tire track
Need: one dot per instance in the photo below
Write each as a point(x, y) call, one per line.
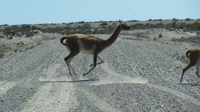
point(55, 94)
point(57, 97)
point(97, 101)
point(5, 86)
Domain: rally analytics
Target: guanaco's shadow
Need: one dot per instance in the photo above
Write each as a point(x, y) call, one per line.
point(190, 84)
point(72, 81)
point(60, 76)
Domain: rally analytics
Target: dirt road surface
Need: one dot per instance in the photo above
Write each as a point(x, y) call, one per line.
point(136, 76)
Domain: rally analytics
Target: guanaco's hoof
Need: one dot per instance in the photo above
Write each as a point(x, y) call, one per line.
point(184, 83)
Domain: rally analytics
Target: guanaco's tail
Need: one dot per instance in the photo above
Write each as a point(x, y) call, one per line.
point(62, 39)
point(188, 52)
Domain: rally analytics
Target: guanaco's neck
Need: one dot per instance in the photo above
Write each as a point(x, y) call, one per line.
point(113, 37)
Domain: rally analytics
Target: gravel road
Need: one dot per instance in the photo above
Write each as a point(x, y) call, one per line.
point(136, 76)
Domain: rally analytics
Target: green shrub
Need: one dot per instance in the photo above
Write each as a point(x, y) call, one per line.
point(2, 55)
point(20, 44)
point(172, 39)
point(104, 24)
point(160, 35)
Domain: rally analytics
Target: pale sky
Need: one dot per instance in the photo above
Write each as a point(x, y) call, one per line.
point(15, 12)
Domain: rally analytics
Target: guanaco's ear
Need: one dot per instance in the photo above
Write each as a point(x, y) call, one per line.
point(120, 21)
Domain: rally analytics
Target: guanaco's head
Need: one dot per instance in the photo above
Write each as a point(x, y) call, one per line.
point(124, 26)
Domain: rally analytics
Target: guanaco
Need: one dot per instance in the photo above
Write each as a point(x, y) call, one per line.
point(194, 56)
point(89, 44)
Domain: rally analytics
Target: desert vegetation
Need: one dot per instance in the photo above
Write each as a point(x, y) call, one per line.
point(160, 35)
point(15, 30)
point(100, 27)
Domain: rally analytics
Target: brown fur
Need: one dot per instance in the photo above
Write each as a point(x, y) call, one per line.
point(88, 44)
point(193, 55)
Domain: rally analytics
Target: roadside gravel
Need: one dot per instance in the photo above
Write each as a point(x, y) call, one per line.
point(136, 76)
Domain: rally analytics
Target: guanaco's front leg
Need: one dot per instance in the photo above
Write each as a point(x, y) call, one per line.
point(198, 68)
point(94, 65)
point(101, 60)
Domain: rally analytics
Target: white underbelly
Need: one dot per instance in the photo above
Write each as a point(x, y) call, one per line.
point(85, 51)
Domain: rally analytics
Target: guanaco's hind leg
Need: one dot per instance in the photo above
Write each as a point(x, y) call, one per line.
point(68, 60)
point(73, 48)
point(193, 61)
